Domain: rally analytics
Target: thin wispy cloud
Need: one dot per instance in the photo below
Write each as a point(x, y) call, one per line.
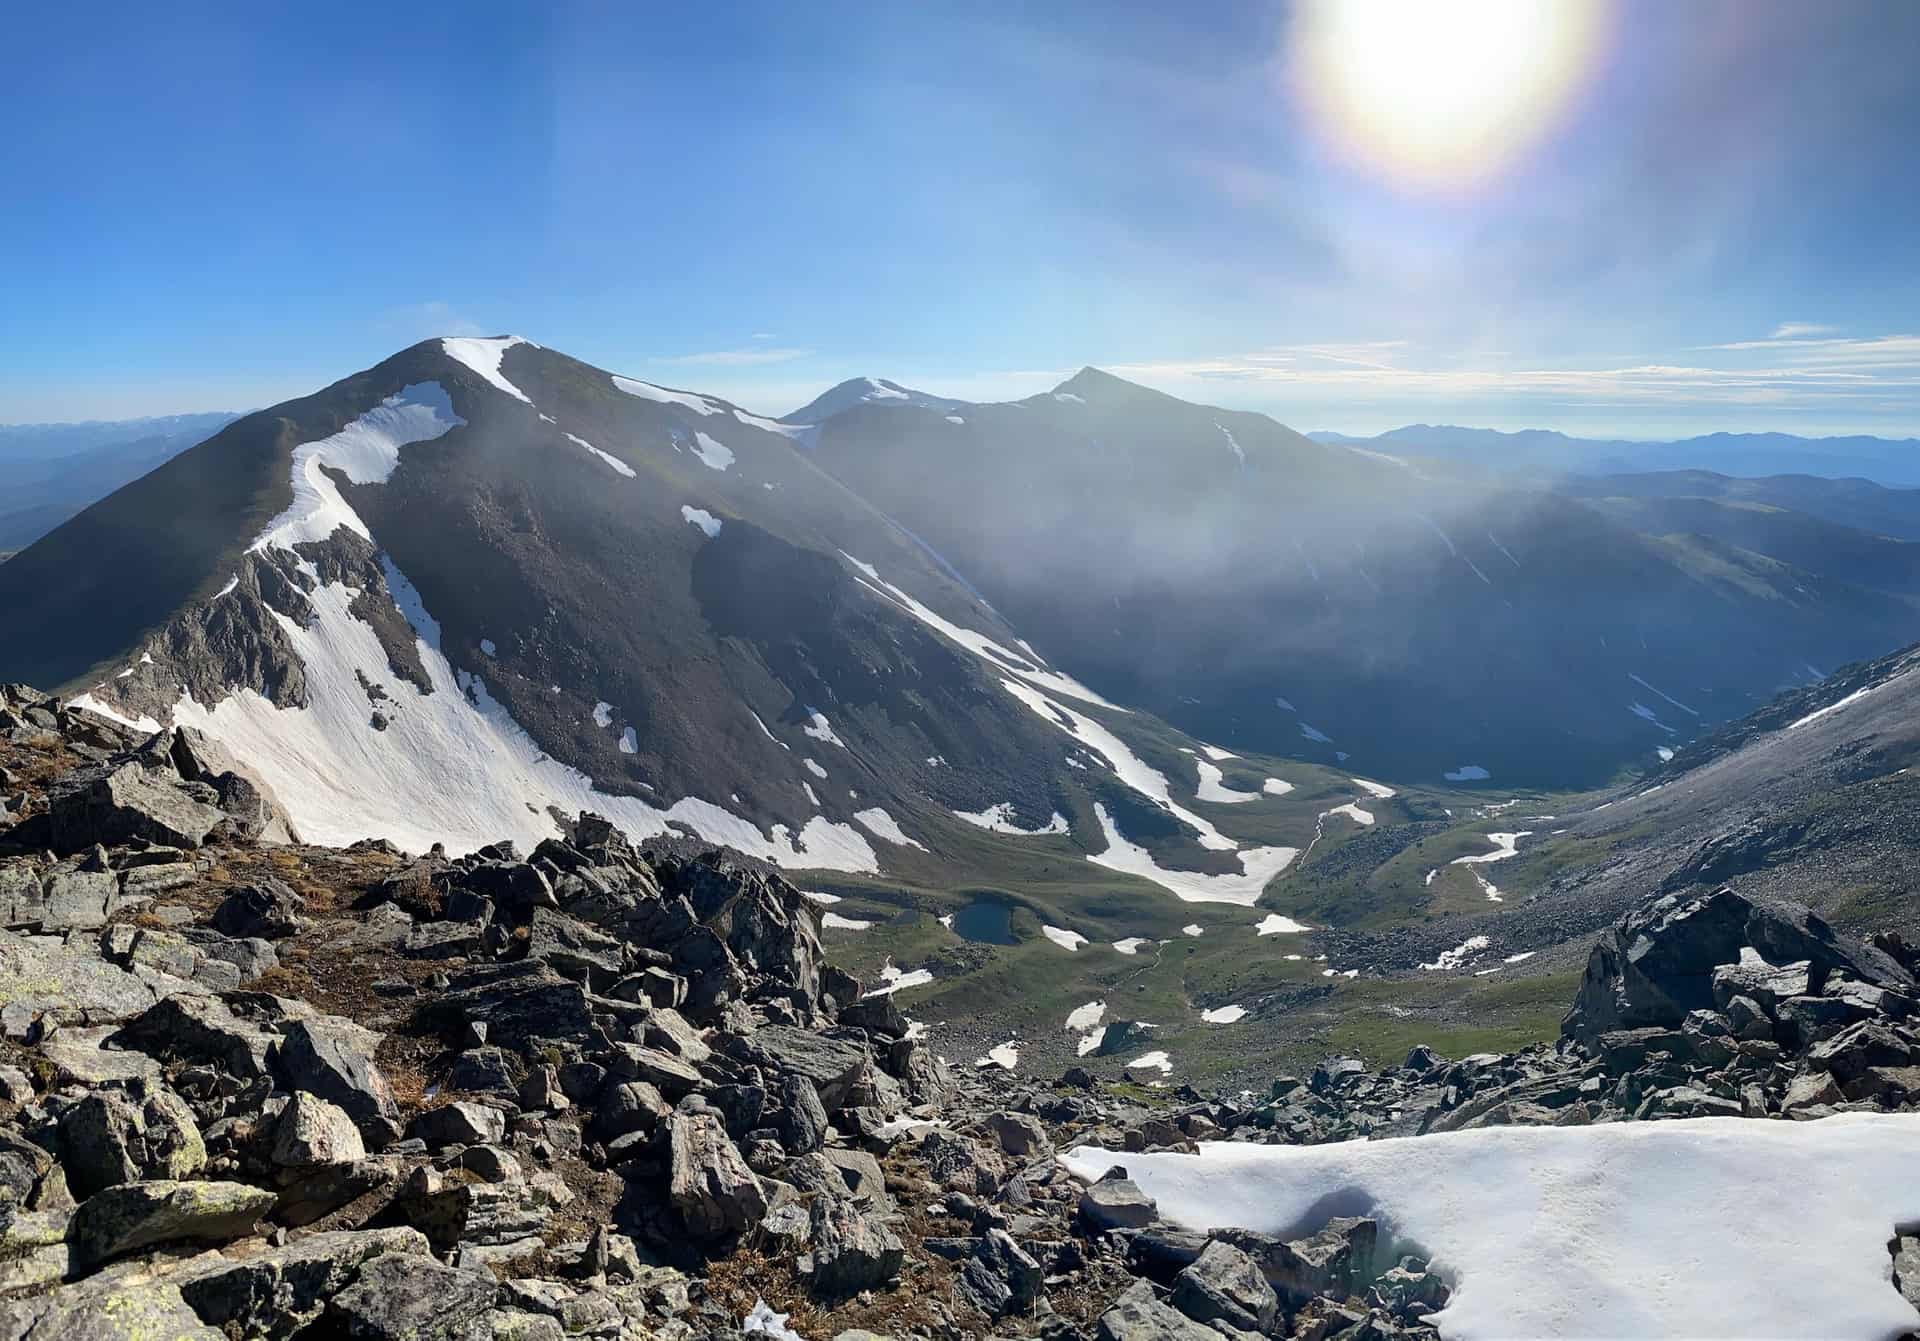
point(1872, 374)
point(736, 358)
point(1794, 330)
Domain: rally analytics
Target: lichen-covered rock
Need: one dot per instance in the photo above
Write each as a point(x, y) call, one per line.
point(132, 1216)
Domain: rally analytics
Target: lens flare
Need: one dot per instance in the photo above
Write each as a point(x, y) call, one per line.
point(1440, 94)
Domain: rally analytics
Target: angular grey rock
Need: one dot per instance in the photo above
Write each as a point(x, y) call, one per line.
point(1000, 1277)
point(312, 1132)
point(834, 1065)
point(459, 1123)
point(324, 1063)
point(107, 1139)
point(708, 1182)
point(200, 1029)
point(803, 1119)
point(1019, 1134)
point(128, 802)
point(276, 1293)
point(405, 1296)
point(106, 1310)
point(1116, 1202)
point(1224, 1285)
point(849, 1251)
point(268, 910)
point(1138, 1315)
point(132, 1216)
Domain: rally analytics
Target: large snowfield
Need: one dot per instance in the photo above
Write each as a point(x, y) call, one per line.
point(1706, 1227)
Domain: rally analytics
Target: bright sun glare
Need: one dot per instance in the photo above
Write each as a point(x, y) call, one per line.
point(1440, 93)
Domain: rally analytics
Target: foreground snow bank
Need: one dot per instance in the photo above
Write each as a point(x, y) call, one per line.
point(1709, 1227)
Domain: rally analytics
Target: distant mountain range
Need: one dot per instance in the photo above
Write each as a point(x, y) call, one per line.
point(1889, 461)
point(483, 581)
point(51, 471)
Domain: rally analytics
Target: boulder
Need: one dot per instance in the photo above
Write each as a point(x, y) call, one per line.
point(1018, 1134)
point(709, 1183)
point(312, 1132)
point(405, 1296)
point(849, 1250)
point(326, 1063)
point(132, 1216)
point(200, 1029)
point(105, 1309)
point(1224, 1285)
point(1000, 1277)
point(1116, 1202)
point(1138, 1315)
point(269, 910)
point(803, 1119)
point(834, 1065)
point(459, 1124)
point(1658, 962)
point(130, 803)
point(276, 1293)
point(107, 1139)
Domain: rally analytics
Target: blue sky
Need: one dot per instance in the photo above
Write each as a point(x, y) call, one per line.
point(1714, 226)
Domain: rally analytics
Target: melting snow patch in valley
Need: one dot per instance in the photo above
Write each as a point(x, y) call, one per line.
point(1082, 1018)
point(1520, 958)
point(629, 741)
point(603, 715)
point(820, 729)
point(1665, 752)
point(1379, 789)
point(1060, 936)
point(819, 897)
point(1224, 1014)
point(1504, 845)
point(621, 467)
point(815, 767)
point(1215, 753)
point(1685, 1228)
point(1193, 929)
point(1352, 812)
point(1276, 787)
point(838, 923)
point(1275, 925)
point(1430, 874)
point(999, 819)
point(227, 590)
point(1157, 1060)
point(701, 518)
point(884, 826)
point(1467, 773)
point(1127, 766)
point(1212, 789)
point(1091, 1041)
point(893, 980)
point(1258, 866)
point(483, 356)
point(1458, 955)
point(1131, 945)
point(713, 454)
point(1006, 1057)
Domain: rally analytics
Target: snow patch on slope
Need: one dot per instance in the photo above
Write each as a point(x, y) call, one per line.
point(1258, 866)
point(1212, 788)
point(999, 819)
point(882, 825)
point(483, 356)
point(701, 518)
point(619, 466)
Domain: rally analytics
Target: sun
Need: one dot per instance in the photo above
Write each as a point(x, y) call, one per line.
point(1440, 93)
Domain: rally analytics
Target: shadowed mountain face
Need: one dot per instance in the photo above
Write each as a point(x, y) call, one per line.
point(1257, 587)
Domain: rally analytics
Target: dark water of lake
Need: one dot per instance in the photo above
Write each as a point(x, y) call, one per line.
point(985, 921)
